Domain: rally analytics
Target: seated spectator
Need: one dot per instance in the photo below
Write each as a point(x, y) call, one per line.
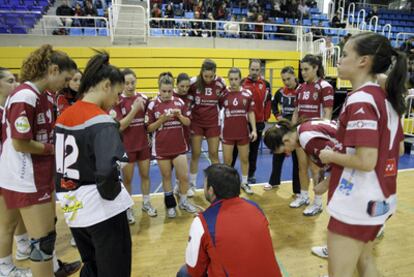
point(155, 13)
point(317, 32)
point(373, 12)
point(276, 11)
point(303, 10)
point(188, 5)
point(200, 9)
point(221, 13)
point(231, 237)
point(407, 46)
point(232, 28)
point(209, 27)
point(286, 30)
point(65, 10)
point(89, 10)
point(169, 13)
point(258, 28)
point(196, 26)
point(336, 21)
point(245, 29)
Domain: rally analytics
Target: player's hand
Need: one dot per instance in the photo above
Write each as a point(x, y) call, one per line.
point(165, 117)
point(253, 136)
point(322, 187)
point(139, 104)
point(176, 112)
point(326, 156)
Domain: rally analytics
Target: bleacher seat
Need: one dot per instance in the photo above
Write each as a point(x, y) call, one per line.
point(91, 32)
point(4, 30)
point(100, 12)
point(18, 30)
point(189, 15)
point(75, 31)
point(156, 32)
point(307, 22)
point(103, 32)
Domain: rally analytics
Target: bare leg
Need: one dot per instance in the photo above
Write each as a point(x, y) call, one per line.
point(213, 145)
point(127, 175)
point(228, 153)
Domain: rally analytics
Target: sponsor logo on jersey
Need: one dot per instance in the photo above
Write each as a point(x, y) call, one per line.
point(315, 96)
point(44, 197)
point(112, 113)
point(41, 136)
point(197, 100)
point(361, 111)
point(22, 124)
point(390, 167)
point(49, 116)
point(244, 102)
point(41, 118)
point(70, 206)
point(345, 186)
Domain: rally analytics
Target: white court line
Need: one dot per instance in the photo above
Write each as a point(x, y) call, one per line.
point(252, 185)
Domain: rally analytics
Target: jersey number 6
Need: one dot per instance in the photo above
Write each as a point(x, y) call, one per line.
point(65, 160)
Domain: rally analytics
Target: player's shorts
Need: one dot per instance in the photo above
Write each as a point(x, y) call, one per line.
point(363, 233)
point(16, 200)
point(208, 132)
point(140, 155)
point(242, 141)
point(169, 157)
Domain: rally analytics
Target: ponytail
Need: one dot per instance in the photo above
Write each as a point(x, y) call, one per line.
point(395, 84)
point(314, 60)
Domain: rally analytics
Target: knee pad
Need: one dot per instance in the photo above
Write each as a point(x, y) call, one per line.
point(42, 248)
point(169, 201)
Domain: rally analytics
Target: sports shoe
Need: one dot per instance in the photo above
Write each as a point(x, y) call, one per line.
point(18, 272)
point(299, 201)
point(187, 206)
point(72, 242)
point(67, 269)
point(130, 216)
point(191, 190)
point(247, 188)
point(320, 251)
point(149, 209)
point(313, 209)
point(268, 187)
point(171, 212)
point(23, 255)
point(251, 180)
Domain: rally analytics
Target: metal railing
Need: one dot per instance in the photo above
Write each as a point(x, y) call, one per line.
point(75, 25)
point(402, 37)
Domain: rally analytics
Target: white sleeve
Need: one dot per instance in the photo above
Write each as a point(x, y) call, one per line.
point(194, 242)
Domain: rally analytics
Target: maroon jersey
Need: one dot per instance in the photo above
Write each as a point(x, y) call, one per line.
point(1, 127)
point(135, 135)
point(187, 102)
point(205, 104)
point(313, 97)
point(236, 106)
point(29, 116)
point(169, 139)
point(316, 135)
point(367, 120)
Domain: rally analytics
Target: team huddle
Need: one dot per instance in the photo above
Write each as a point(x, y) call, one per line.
point(80, 134)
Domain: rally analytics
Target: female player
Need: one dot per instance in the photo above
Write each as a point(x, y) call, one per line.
point(285, 97)
point(166, 115)
point(205, 92)
point(238, 110)
point(314, 100)
point(27, 163)
point(89, 151)
point(362, 189)
point(69, 95)
point(130, 112)
point(10, 220)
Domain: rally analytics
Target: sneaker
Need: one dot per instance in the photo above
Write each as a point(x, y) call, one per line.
point(191, 190)
point(72, 242)
point(149, 209)
point(171, 212)
point(18, 272)
point(130, 216)
point(23, 255)
point(67, 269)
point(313, 209)
point(299, 201)
point(251, 180)
point(268, 187)
point(187, 206)
point(320, 251)
point(247, 188)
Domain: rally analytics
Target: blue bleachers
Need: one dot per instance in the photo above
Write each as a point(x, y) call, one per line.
point(75, 32)
point(102, 32)
point(89, 32)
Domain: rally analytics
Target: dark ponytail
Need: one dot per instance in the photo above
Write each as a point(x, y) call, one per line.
point(380, 48)
point(314, 60)
point(208, 65)
point(97, 70)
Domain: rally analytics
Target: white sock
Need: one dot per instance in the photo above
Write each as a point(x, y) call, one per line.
point(22, 242)
point(244, 179)
point(146, 198)
point(55, 262)
point(6, 265)
point(318, 199)
point(304, 193)
point(183, 198)
point(193, 178)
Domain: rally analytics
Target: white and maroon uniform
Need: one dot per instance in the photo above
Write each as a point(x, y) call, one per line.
point(313, 97)
point(367, 120)
point(135, 137)
point(236, 107)
point(25, 178)
point(316, 135)
point(168, 141)
point(205, 107)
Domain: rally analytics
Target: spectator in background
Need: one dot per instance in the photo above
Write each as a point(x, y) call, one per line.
point(65, 10)
point(232, 28)
point(245, 29)
point(286, 30)
point(156, 13)
point(258, 28)
point(336, 21)
point(169, 13)
point(188, 5)
point(303, 10)
point(317, 32)
point(373, 12)
point(343, 40)
point(407, 46)
point(221, 13)
point(210, 27)
point(196, 26)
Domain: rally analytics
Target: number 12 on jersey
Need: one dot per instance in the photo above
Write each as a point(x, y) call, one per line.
point(66, 155)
